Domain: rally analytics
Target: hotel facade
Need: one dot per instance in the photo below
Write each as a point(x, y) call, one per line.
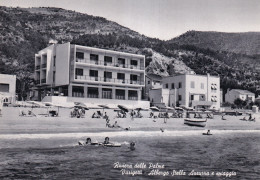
point(94, 75)
point(188, 90)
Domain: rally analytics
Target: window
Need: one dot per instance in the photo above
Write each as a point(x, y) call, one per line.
point(133, 77)
point(121, 76)
point(93, 92)
point(166, 86)
point(132, 95)
point(192, 84)
point(172, 85)
point(94, 57)
point(179, 97)
point(192, 97)
point(54, 74)
point(134, 62)
point(180, 85)
point(121, 61)
point(93, 73)
point(202, 85)
point(213, 86)
point(107, 74)
point(4, 87)
point(79, 72)
point(80, 55)
point(148, 82)
point(202, 98)
point(54, 61)
point(120, 94)
point(214, 98)
point(108, 59)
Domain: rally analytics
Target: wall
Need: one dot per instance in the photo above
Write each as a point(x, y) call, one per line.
point(62, 64)
point(11, 80)
point(155, 95)
point(95, 101)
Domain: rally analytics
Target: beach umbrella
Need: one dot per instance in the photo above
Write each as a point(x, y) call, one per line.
point(123, 108)
point(154, 108)
point(178, 108)
point(35, 103)
point(139, 109)
point(81, 107)
point(104, 106)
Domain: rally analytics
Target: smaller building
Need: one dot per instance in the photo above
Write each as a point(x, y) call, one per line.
point(188, 90)
point(152, 81)
point(234, 94)
point(7, 88)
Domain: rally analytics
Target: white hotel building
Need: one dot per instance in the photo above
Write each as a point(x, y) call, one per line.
point(188, 90)
point(68, 72)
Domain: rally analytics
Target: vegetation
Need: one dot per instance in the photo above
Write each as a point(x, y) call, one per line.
point(26, 31)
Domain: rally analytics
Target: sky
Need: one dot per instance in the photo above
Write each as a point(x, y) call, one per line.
point(164, 19)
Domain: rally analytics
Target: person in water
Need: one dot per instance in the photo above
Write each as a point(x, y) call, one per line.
point(132, 146)
point(88, 141)
point(106, 140)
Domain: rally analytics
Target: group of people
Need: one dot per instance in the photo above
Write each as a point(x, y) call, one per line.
point(97, 114)
point(105, 143)
point(121, 114)
point(78, 112)
point(250, 118)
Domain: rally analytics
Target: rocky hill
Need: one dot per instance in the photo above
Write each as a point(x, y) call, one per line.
point(241, 43)
point(24, 31)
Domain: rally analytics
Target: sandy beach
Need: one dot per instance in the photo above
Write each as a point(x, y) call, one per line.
point(12, 123)
point(47, 147)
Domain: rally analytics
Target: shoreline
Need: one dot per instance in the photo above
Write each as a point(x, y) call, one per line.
point(121, 134)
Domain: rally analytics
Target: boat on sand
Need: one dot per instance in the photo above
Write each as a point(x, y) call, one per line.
point(195, 122)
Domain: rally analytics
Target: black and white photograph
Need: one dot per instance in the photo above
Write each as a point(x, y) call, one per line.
point(129, 89)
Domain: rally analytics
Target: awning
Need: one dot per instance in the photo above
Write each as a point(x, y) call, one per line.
point(201, 103)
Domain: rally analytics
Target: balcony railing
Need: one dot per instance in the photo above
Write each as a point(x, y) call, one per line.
point(132, 98)
point(44, 65)
point(37, 67)
point(105, 63)
point(114, 80)
point(43, 80)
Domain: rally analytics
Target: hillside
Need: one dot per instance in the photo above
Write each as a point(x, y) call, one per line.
point(241, 43)
point(24, 31)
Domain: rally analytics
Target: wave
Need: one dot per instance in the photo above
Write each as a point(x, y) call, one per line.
point(120, 134)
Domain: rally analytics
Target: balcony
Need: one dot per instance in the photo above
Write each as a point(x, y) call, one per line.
point(112, 80)
point(43, 80)
point(105, 63)
point(37, 67)
point(44, 65)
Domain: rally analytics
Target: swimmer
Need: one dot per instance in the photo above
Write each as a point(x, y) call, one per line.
point(132, 146)
point(162, 129)
point(88, 141)
point(127, 129)
point(106, 140)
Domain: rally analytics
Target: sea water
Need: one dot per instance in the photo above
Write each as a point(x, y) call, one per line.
point(157, 155)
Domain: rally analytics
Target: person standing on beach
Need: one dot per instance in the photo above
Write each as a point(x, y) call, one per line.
point(132, 115)
point(166, 116)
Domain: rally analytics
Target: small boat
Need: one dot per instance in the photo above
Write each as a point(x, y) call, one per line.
point(207, 134)
point(112, 145)
point(195, 122)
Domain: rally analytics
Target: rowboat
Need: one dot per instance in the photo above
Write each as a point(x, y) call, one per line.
point(195, 122)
